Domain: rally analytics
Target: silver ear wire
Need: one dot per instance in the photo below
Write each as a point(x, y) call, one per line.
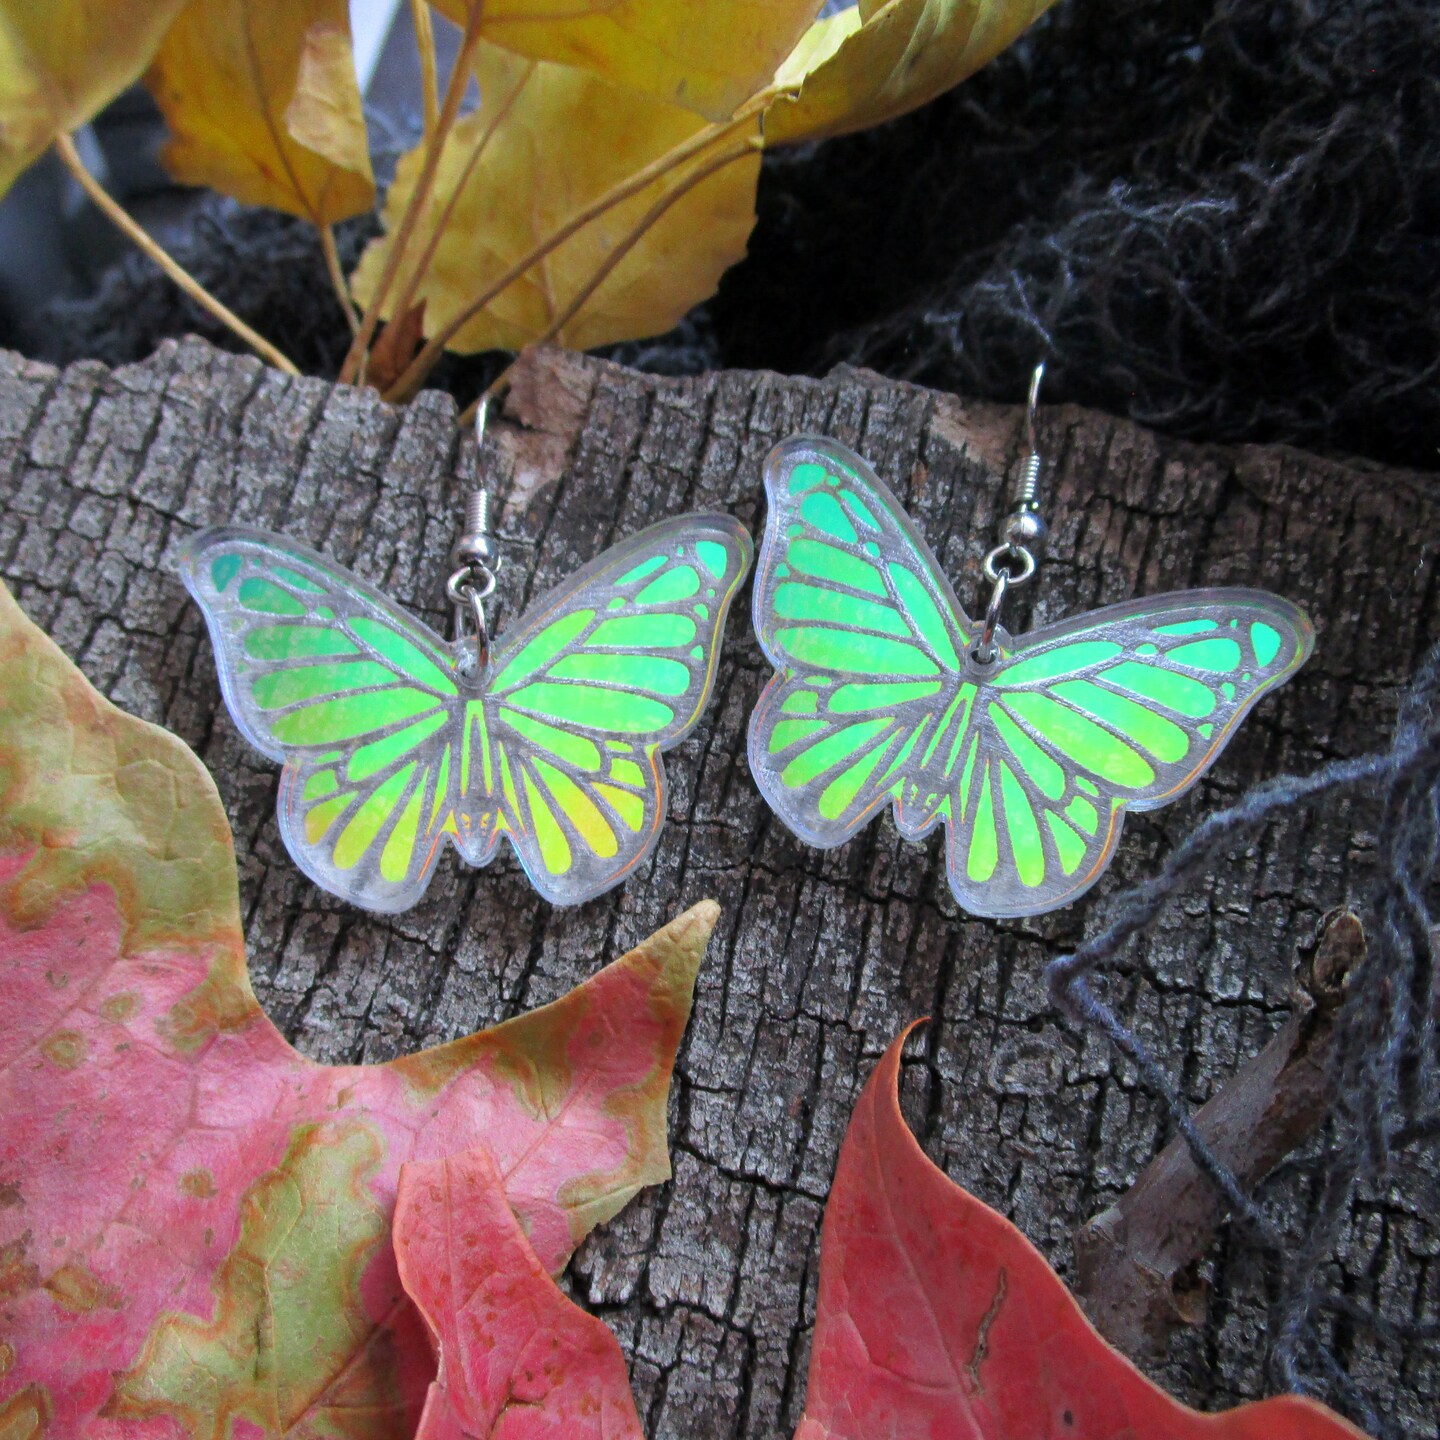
point(473, 579)
point(482, 416)
point(1031, 406)
point(1023, 531)
point(1030, 466)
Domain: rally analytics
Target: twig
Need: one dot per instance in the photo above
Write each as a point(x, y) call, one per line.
point(1385, 1034)
point(454, 92)
point(1136, 1262)
point(126, 223)
point(337, 276)
point(429, 70)
point(406, 386)
point(406, 303)
point(616, 255)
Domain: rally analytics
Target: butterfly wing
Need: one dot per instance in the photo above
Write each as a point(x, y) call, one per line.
point(1122, 708)
point(360, 702)
point(1030, 761)
point(602, 675)
point(857, 617)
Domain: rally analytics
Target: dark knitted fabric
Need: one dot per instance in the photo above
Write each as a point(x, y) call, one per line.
point(1387, 1061)
point(267, 267)
point(1218, 217)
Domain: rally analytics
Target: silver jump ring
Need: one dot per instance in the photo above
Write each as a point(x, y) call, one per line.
point(1009, 551)
point(461, 586)
point(465, 595)
point(984, 651)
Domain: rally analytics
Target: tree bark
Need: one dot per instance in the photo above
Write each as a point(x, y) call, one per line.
point(820, 957)
point(1135, 1262)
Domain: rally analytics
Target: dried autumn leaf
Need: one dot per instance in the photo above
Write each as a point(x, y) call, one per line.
point(706, 55)
point(874, 61)
point(560, 137)
point(194, 1219)
point(506, 1335)
point(263, 105)
point(62, 61)
point(937, 1317)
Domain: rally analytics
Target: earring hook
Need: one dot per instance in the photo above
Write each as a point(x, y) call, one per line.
point(482, 415)
point(1032, 405)
point(1013, 561)
point(473, 580)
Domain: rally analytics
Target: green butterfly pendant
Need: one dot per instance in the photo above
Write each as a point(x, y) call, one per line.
point(1029, 761)
point(394, 741)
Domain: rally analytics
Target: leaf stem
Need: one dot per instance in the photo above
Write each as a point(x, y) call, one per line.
point(337, 276)
point(637, 233)
point(421, 267)
point(126, 223)
point(454, 92)
point(414, 375)
point(429, 70)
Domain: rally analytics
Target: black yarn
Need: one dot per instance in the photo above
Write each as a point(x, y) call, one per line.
point(1386, 1060)
point(265, 266)
point(1220, 218)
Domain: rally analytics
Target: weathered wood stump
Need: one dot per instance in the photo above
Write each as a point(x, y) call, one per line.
point(820, 957)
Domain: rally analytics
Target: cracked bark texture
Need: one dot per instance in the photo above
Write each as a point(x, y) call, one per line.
point(820, 957)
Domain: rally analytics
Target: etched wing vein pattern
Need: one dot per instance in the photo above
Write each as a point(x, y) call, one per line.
point(1030, 761)
point(391, 748)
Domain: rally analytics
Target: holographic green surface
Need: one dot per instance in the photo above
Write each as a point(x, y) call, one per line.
point(393, 744)
point(1029, 761)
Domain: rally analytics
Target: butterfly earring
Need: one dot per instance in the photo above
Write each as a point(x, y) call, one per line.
point(1029, 748)
point(395, 740)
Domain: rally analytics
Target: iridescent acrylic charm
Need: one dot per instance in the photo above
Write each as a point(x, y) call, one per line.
point(1028, 748)
point(395, 740)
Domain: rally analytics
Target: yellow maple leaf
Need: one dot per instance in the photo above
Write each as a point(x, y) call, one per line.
point(263, 104)
point(547, 140)
point(878, 60)
point(62, 60)
point(705, 55)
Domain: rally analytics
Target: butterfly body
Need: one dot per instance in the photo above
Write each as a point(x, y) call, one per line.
point(1028, 761)
point(395, 743)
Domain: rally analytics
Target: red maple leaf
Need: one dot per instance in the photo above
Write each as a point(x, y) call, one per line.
point(938, 1320)
point(194, 1218)
point(513, 1348)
